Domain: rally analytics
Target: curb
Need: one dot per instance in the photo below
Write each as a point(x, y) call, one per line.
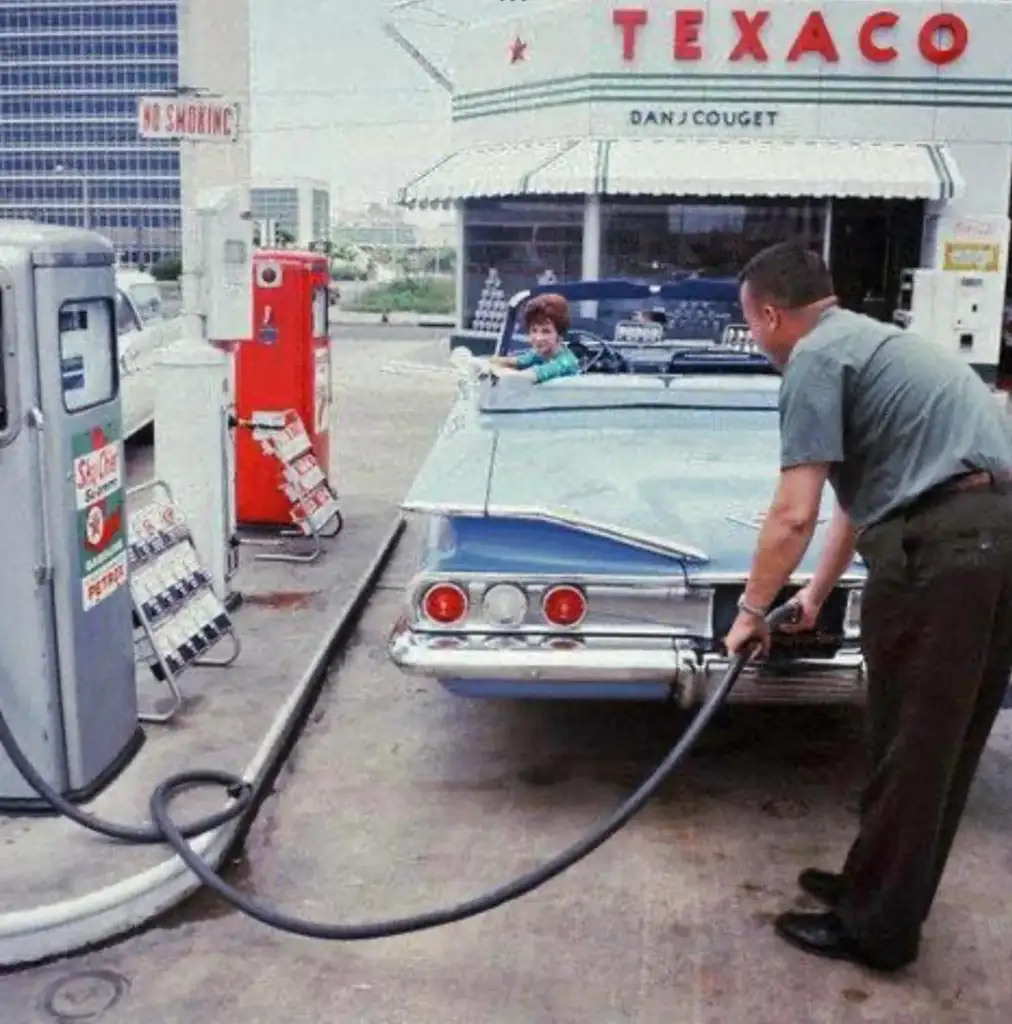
point(71, 926)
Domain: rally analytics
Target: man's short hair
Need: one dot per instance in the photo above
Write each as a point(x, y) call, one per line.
point(787, 275)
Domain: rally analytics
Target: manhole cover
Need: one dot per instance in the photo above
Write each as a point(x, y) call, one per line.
point(84, 995)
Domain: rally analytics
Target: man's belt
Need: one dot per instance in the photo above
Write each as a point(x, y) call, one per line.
point(974, 480)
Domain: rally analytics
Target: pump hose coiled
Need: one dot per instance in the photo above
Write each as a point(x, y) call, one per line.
point(241, 794)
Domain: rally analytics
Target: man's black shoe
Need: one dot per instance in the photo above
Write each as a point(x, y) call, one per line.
point(825, 886)
point(824, 935)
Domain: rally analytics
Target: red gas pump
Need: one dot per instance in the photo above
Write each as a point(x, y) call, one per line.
point(284, 369)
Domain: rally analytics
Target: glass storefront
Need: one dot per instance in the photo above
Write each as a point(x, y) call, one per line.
point(511, 244)
point(523, 242)
point(653, 240)
point(873, 241)
point(531, 240)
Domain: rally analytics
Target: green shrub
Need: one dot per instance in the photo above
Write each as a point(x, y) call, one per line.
point(409, 295)
point(167, 270)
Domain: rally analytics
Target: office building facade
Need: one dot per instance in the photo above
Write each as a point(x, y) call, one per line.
point(298, 209)
point(70, 75)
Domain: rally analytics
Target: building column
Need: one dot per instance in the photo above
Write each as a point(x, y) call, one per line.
point(591, 270)
point(459, 269)
point(194, 379)
point(591, 265)
point(827, 234)
point(214, 58)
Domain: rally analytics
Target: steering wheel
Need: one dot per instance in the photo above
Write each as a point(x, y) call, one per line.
point(606, 359)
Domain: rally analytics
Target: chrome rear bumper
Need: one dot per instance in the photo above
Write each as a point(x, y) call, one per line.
point(614, 662)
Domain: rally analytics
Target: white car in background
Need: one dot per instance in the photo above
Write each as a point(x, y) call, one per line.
point(143, 330)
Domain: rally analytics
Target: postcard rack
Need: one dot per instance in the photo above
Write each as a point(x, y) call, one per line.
point(178, 619)
point(313, 505)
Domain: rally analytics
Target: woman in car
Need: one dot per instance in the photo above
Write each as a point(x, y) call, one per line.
point(546, 320)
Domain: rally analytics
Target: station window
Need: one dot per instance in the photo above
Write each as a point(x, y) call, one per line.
point(654, 239)
point(88, 363)
point(522, 241)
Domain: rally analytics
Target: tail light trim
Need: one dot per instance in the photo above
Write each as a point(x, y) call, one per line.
point(444, 585)
point(614, 606)
point(578, 591)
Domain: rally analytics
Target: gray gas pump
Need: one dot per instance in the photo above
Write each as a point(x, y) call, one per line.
point(67, 675)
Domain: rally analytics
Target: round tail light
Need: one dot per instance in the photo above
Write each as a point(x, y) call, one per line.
point(505, 605)
point(564, 605)
point(444, 603)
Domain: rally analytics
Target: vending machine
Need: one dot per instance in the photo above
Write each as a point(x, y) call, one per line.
point(284, 369)
point(962, 311)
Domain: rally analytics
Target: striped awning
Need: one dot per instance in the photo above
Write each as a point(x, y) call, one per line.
point(696, 167)
point(523, 168)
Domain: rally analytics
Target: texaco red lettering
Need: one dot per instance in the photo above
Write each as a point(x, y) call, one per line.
point(941, 39)
point(951, 25)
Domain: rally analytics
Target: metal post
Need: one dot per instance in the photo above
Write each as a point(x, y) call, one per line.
point(591, 262)
point(827, 233)
point(460, 276)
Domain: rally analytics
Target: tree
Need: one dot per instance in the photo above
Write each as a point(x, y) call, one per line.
point(168, 269)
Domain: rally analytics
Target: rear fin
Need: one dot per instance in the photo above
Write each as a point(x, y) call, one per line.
point(454, 478)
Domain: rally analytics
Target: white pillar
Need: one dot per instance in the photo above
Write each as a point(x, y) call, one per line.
point(827, 234)
point(460, 278)
point(214, 46)
point(591, 265)
point(194, 380)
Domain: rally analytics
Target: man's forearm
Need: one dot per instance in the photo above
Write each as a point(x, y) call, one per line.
point(782, 544)
point(837, 554)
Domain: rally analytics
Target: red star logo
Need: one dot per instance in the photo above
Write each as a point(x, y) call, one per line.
point(518, 51)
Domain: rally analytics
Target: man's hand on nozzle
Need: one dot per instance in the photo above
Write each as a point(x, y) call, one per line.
point(809, 606)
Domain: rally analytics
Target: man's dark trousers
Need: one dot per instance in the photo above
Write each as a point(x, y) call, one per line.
point(936, 624)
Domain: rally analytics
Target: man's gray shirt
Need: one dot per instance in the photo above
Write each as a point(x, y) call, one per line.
point(894, 414)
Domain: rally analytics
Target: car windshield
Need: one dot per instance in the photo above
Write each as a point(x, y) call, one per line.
point(148, 300)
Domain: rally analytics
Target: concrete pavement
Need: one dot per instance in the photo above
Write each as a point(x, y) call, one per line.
point(66, 887)
point(400, 798)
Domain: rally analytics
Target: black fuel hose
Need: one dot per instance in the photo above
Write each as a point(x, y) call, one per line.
point(241, 793)
point(165, 830)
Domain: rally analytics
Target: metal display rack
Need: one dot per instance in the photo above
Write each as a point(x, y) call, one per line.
point(177, 616)
point(315, 513)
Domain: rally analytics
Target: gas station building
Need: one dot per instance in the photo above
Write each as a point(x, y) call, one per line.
point(644, 139)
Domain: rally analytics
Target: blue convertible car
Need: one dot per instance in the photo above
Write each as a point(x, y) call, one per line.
point(588, 537)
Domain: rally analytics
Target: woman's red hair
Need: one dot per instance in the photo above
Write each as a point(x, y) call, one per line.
point(550, 308)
